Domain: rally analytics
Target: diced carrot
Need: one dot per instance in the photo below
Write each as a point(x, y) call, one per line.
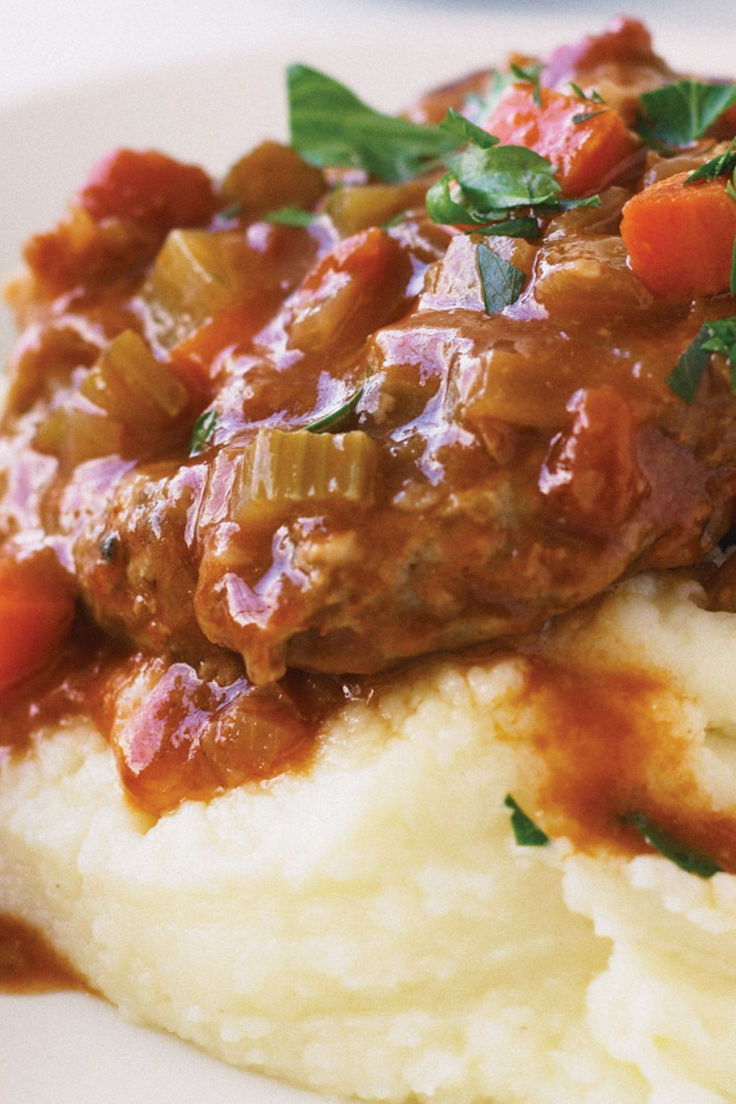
point(355, 288)
point(148, 187)
point(680, 237)
point(585, 141)
point(36, 612)
point(227, 329)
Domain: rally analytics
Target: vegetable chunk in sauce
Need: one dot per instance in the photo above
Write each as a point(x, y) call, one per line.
point(407, 385)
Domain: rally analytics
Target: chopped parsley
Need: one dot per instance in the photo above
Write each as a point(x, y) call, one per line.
point(331, 126)
point(204, 427)
point(722, 165)
point(526, 832)
point(291, 216)
point(593, 97)
point(680, 113)
point(466, 131)
point(501, 281)
point(689, 859)
point(529, 75)
point(333, 419)
point(585, 115)
point(487, 183)
point(713, 337)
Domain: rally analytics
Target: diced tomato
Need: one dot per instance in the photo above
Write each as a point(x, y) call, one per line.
point(36, 612)
point(680, 237)
point(585, 141)
point(148, 187)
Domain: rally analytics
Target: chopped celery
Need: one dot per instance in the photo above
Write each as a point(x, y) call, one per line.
point(75, 433)
point(269, 177)
point(130, 384)
point(128, 404)
point(298, 466)
point(364, 205)
point(197, 274)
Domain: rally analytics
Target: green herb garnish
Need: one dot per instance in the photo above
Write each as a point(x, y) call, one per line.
point(335, 418)
point(204, 427)
point(291, 216)
point(690, 859)
point(529, 76)
point(593, 97)
point(466, 131)
point(501, 282)
point(682, 112)
point(487, 184)
point(585, 115)
point(234, 211)
point(722, 165)
point(525, 226)
point(526, 832)
point(713, 337)
point(331, 126)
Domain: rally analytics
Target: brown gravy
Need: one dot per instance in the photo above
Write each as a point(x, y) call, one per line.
point(28, 964)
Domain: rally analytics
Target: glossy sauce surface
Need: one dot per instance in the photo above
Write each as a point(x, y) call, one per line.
point(28, 964)
point(276, 462)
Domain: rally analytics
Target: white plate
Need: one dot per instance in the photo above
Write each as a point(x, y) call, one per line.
point(68, 1048)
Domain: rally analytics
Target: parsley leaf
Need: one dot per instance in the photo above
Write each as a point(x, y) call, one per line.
point(713, 337)
point(526, 832)
point(593, 96)
point(501, 281)
point(722, 165)
point(682, 112)
point(335, 418)
point(466, 131)
point(204, 427)
point(530, 76)
point(691, 860)
point(525, 226)
point(585, 115)
point(331, 126)
point(485, 184)
point(291, 216)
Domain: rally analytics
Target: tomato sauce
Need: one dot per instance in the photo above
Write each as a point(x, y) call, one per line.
point(270, 460)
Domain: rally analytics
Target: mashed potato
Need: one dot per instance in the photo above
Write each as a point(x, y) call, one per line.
point(369, 927)
point(371, 517)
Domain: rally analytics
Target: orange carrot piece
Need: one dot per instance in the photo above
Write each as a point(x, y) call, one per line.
point(587, 142)
point(36, 612)
point(680, 237)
